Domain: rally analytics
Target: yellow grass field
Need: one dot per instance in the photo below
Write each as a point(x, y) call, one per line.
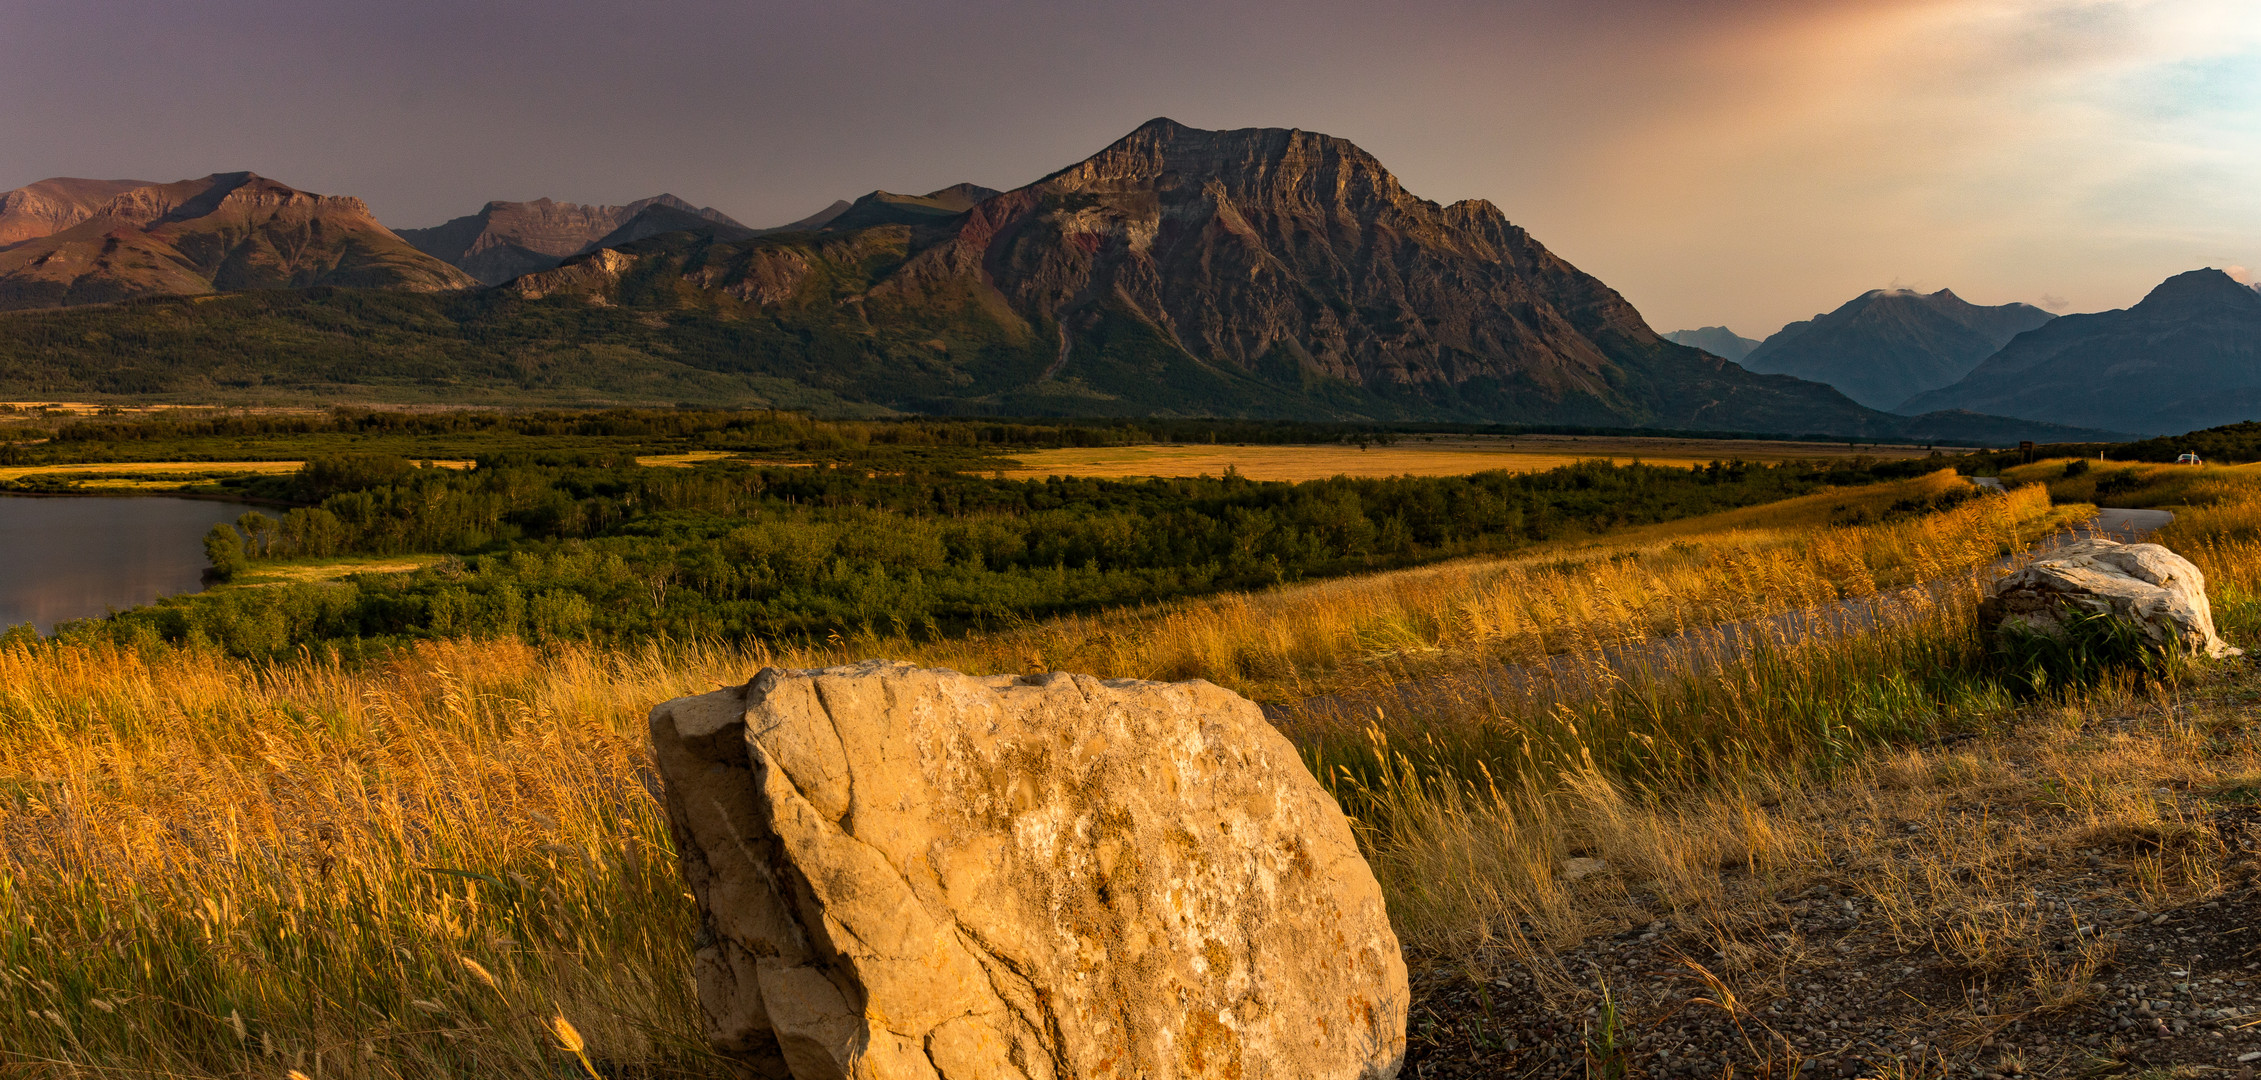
point(310, 573)
point(684, 460)
point(153, 468)
point(1441, 456)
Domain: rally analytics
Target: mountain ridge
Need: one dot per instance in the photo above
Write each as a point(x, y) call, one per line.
point(2187, 356)
point(46, 207)
point(217, 233)
point(1716, 340)
point(1272, 270)
point(1885, 346)
point(505, 239)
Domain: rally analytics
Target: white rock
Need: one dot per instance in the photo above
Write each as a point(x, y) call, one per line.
point(2158, 591)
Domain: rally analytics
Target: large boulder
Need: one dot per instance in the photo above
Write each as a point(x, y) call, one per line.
point(907, 873)
point(2158, 591)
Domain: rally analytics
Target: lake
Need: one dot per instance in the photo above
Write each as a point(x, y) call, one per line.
point(70, 558)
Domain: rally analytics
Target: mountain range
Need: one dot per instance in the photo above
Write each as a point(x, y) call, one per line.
point(1178, 271)
point(1888, 345)
point(2187, 356)
point(219, 233)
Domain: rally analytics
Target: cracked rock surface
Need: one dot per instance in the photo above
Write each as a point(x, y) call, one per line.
point(907, 873)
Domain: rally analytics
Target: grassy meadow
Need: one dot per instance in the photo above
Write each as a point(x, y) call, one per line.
point(411, 863)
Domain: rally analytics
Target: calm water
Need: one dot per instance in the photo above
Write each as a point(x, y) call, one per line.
point(72, 558)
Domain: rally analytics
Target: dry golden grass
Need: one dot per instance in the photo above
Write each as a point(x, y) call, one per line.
point(1421, 456)
point(1326, 637)
point(167, 469)
point(209, 868)
point(683, 460)
point(212, 867)
point(303, 573)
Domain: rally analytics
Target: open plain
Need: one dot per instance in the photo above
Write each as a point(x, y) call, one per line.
point(1424, 455)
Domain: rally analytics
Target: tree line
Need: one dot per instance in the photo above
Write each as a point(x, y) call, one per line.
point(591, 546)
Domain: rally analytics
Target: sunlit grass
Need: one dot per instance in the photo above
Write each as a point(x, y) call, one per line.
point(215, 867)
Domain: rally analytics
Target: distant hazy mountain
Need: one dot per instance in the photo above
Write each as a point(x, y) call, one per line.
point(816, 220)
point(1887, 345)
point(1716, 340)
point(54, 204)
point(888, 208)
point(506, 239)
point(2188, 356)
point(220, 233)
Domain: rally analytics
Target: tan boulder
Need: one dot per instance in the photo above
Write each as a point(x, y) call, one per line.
point(907, 873)
point(2158, 591)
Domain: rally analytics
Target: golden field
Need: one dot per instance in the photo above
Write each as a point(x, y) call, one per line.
point(214, 867)
point(1422, 456)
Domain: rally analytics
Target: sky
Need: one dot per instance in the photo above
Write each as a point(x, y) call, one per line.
point(1737, 162)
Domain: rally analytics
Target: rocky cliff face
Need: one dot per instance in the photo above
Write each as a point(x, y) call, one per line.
point(506, 239)
point(1888, 345)
point(2187, 357)
point(223, 232)
point(52, 205)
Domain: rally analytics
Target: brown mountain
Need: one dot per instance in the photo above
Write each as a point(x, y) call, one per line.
point(506, 239)
point(54, 204)
point(225, 232)
point(1182, 271)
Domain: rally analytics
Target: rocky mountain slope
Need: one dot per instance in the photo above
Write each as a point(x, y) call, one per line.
point(2188, 356)
point(1887, 345)
point(54, 204)
point(1256, 272)
point(1264, 271)
point(224, 232)
point(1716, 340)
point(506, 239)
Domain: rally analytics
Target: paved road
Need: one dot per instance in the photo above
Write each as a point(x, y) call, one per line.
point(2129, 526)
point(1568, 675)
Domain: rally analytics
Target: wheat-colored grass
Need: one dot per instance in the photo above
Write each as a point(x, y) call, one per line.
point(212, 867)
point(1420, 456)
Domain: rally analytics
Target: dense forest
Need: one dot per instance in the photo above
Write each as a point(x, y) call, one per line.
point(583, 544)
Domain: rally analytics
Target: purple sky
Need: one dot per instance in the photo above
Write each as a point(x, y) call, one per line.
point(1738, 162)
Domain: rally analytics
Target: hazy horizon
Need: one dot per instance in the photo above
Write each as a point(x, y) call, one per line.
point(1726, 163)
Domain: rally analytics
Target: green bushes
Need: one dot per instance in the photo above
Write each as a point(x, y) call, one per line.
point(578, 546)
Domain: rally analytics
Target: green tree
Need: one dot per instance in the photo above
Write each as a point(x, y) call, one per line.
point(224, 546)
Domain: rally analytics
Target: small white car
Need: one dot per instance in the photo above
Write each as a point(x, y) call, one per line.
point(2190, 459)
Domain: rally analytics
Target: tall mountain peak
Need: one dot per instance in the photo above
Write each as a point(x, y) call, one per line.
point(2196, 291)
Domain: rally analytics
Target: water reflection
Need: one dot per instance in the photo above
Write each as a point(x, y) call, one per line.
point(70, 558)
